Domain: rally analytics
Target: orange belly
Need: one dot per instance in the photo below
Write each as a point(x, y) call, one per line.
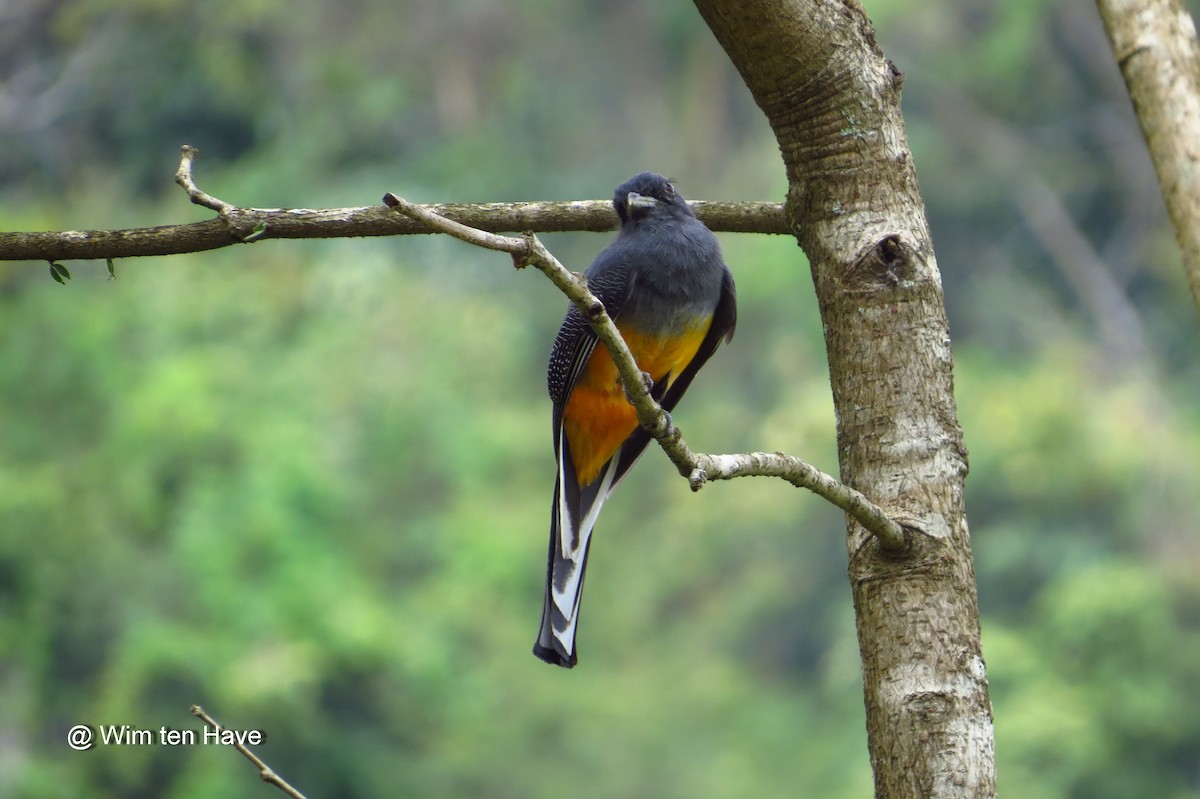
point(598, 418)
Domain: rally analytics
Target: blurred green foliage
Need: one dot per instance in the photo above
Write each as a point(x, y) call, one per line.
point(305, 484)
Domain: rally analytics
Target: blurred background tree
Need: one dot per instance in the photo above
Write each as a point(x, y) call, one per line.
point(306, 484)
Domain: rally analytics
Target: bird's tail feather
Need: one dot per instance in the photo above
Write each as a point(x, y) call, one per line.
point(572, 519)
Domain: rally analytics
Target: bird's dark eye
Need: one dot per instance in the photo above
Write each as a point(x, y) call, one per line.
point(668, 191)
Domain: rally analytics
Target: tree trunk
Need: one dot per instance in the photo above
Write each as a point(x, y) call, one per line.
point(833, 101)
point(1155, 44)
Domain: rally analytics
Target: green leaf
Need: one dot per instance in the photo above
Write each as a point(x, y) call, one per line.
point(59, 273)
point(256, 234)
point(112, 272)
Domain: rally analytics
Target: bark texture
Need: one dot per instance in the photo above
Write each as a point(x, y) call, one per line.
point(833, 101)
point(1155, 45)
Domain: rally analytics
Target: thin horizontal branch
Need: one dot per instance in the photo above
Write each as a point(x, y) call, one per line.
point(236, 225)
point(698, 468)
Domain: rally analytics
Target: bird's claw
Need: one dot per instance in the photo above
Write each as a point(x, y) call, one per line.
point(647, 384)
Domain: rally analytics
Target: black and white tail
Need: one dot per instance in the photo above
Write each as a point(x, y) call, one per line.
point(572, 519)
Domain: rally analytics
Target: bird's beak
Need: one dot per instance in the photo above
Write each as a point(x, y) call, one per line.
point(639, 201)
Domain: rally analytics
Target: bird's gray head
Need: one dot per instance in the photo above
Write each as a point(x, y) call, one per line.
point(647, 195)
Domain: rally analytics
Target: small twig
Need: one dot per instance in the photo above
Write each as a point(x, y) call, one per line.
point(183, 176)
point(264, 771)
point(697, 468)
point(479, 238)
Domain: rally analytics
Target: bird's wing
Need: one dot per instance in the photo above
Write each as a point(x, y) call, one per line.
point(611, 281)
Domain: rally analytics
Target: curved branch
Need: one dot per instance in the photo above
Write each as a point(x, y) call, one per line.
point(236, 225)
point(183, 176)
point(699, 468)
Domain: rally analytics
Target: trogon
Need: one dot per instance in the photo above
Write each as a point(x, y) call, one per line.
point(666, 286)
